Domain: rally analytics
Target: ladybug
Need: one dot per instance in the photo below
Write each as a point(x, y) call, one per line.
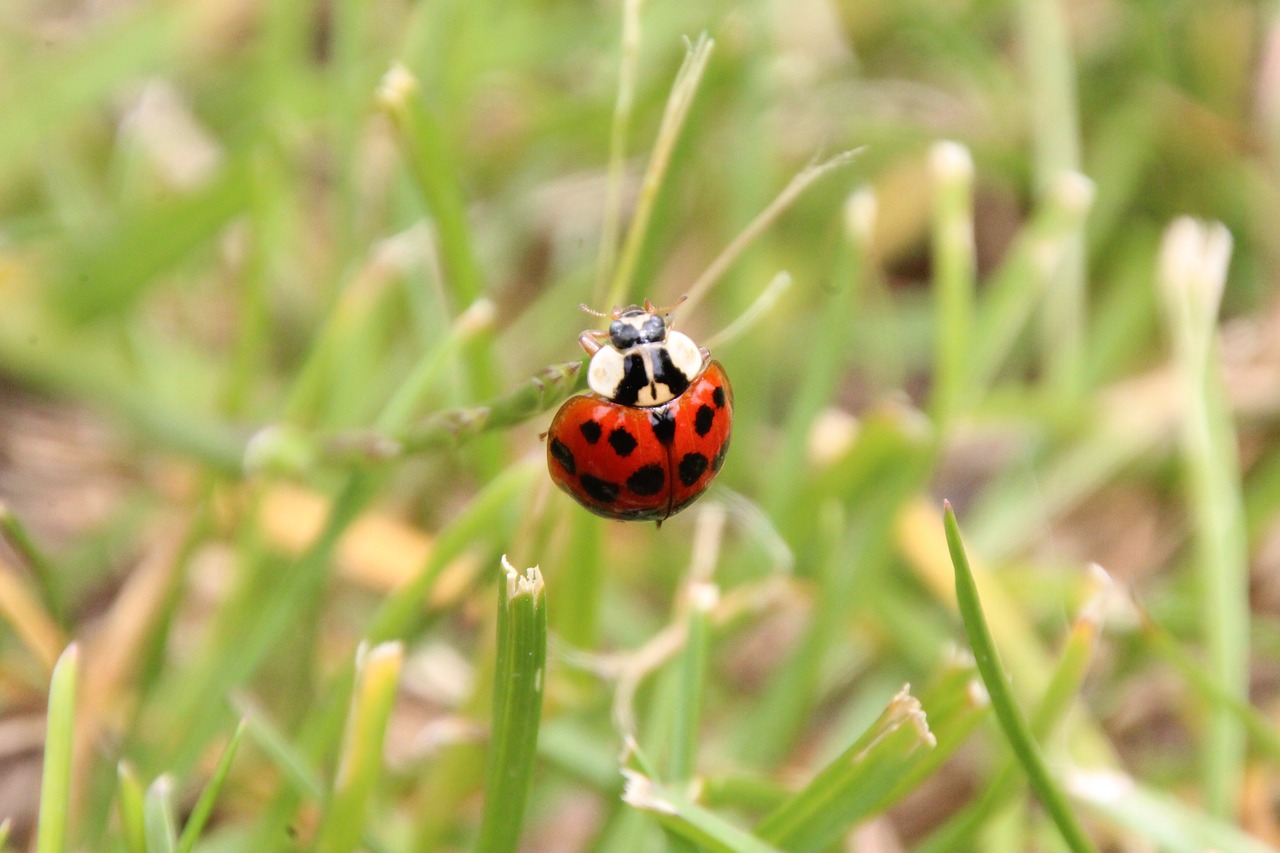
point(653, 432)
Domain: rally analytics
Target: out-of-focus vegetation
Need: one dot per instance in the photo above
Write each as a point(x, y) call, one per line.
point(288, 290)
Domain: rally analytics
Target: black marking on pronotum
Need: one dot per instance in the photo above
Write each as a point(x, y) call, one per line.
point(634, 377)
point(717, 397)
point(692, 466)
point(590, 431)
point(719, 457)
point(704, 419)
point(664, 425)
point(666, 372)
point(647, 480)
point(622, 442)
point(597, 489)
point(562, 454)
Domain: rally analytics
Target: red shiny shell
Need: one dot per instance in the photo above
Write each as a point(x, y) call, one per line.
point(642, 463)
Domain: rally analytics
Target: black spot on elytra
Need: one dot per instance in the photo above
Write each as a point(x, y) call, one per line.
point(622, 441)
point(717, 397)
point(647, 480)
point(719, 457)
point(590, 431)
point(692, 466)
point(562, 454)
point(664, 425)
point(597, 489)
point(705, 418)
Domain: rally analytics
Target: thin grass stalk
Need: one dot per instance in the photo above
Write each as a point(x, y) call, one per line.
point(1012, 723)
point(203, 809)
point(678, 103)
point(28, 619)
point(130, 809)
point(519, 679)
point(691, 683)
point(360, 765)
point(162, 834)
point(792, 191)
point(1055, 130)
point(846, 789)
point(958, 834)
point(1025, 276)
point(954, 274)
point(620, 131)
point(425, 146)
point(55, 781)
point(42, 569)
point(1261, 729)
point(1193, 268)
point(687, 821)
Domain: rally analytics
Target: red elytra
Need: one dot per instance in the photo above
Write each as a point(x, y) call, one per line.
point(642, 463)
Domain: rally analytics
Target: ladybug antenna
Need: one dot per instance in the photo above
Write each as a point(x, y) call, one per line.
point(589, 310)
point(653, 309)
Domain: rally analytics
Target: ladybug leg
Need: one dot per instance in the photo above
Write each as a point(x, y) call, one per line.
point(592, 341)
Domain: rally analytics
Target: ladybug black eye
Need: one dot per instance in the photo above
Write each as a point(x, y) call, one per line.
point(654, 330)
point(623, 335)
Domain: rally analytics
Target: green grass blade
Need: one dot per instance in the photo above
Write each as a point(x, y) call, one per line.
point(162, 836)
point(691, 683)
point(1170, 823)
point(1011, 720)
point(45, 574)
point(203, 808)
point(688, 821)
point(55, 783)
point(519, 679)
point(681, 99)
point(1193, 269)
point(955, 270)
point(848, 789)
point(130, 805)
point(360, 767)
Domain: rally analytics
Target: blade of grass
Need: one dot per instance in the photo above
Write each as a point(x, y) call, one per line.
point(55, 782)
point(28, 619)
point(359, 768)
point(519, 678)
point(1055, 132)
point(678, 103)
point(42, 569)
point(1260, 728)
point(845, 791)
point(132, 812)
point(203, 808)
point(792, 191)
point(1193, 269)
point(1012, 723)
point(954, 274)
point(1171, 824)
point(158, 816)
point(960, 831)
point(691, 683)
point(688, 821)
point(620, 130)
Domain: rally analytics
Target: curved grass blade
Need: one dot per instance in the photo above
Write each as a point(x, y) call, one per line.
point(688, 821)
point(1011, 720)
point(204, 805)
point(55, 784)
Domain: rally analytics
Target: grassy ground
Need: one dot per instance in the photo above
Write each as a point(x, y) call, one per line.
point(289, 290)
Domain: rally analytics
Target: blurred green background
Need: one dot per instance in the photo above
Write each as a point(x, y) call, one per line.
point(237, 259)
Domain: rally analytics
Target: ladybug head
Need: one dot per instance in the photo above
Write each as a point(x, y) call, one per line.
point(633, 326)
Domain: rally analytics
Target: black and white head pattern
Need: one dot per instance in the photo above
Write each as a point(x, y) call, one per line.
point(644, 364)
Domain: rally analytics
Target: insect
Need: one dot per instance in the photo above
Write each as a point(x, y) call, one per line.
point(653, 432)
